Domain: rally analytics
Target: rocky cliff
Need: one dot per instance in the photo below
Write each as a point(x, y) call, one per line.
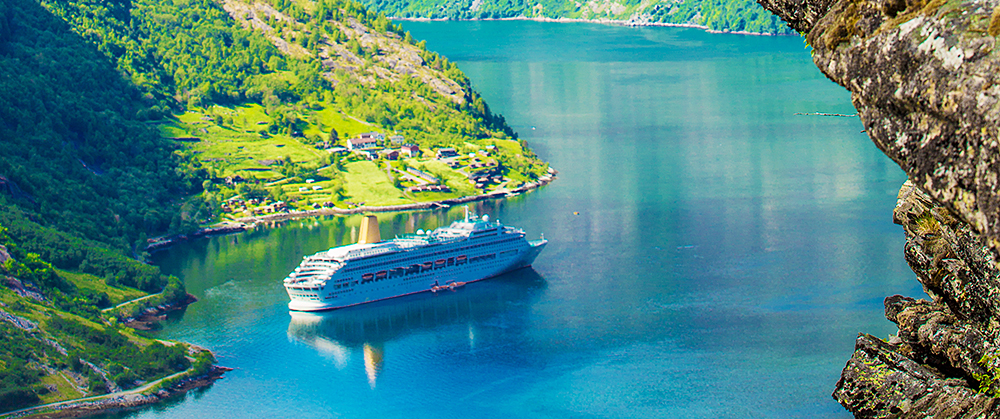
point(925, 78)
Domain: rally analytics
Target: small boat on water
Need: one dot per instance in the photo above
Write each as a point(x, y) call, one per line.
point(448, 287)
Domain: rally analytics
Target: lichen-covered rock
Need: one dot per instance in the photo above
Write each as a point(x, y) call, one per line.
point(801, 15)
point(880, 382)
point(925, 78)
point(951, 261)
point(947, 347)
point(931, 335)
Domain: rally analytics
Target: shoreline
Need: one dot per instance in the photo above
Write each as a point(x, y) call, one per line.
point(151, 317)
point(122, 401)
point(246, 223)
point(603, 21)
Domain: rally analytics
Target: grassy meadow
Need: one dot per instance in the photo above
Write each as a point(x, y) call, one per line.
point(284, 156)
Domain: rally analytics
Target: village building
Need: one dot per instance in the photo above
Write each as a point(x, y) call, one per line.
point(361, 143)
point(397, 140)
point(444, 153)
point(374, 135)
point(422, 175)
point(390, 154)
point(411, 150)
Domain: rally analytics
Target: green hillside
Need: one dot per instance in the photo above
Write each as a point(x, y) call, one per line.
point(720, 15)
point(126, 120)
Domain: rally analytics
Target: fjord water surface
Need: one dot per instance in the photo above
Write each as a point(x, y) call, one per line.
point(725, 255)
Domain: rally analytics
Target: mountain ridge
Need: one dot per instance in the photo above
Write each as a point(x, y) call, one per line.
point(742, 16)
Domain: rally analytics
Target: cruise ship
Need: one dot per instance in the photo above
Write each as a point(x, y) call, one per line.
point(447, 258)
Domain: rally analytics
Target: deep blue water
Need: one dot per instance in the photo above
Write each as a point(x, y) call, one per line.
point(726, 253)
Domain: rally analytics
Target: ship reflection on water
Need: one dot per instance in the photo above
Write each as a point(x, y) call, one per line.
point(339, 333)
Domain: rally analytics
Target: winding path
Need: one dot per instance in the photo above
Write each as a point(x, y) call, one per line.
point(129, 302)
point(125, 393)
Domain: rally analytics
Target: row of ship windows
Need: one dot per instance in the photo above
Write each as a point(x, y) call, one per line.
point(357, 268)
point(476, 259)
point(418, 268)
point(410, 270)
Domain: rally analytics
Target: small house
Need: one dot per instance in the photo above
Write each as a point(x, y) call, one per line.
point(397, 140)
point(361, 143)
point(411, 150)
point(390, 154)
point(377, 136)
point(444, 153)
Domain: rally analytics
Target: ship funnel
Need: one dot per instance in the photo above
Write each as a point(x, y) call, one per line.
point(369, 230)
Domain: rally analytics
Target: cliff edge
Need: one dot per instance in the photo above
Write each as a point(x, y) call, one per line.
point(925, 78)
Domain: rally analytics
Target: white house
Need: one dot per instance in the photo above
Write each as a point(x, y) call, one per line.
point(361, 143)
point(411, 150)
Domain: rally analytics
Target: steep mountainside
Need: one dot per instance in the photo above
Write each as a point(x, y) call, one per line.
point(720, 15)
point(925, 78)
point(109, 115)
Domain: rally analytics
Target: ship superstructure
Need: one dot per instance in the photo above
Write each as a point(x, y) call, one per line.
point(466, 251)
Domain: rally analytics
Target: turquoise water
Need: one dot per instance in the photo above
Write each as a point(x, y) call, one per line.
point(725, 255)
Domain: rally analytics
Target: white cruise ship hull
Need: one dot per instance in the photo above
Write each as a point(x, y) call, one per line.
point(456, 263)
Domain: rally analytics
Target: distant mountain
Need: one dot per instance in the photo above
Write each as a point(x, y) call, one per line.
point(720, 15)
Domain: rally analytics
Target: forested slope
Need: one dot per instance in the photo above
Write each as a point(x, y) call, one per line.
point(720, 15)
point(82, 178)
point(88, 93)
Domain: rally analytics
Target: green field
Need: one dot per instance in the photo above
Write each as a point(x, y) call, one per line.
point(117, 294)
point(64, 390)
point(281, 155)
point(366, 182)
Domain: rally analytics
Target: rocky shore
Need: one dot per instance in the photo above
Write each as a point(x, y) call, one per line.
point(925, 78)
point(165, 242)
point(635, 21)
point(151, 317)
point(122, 401)
point(944, 361)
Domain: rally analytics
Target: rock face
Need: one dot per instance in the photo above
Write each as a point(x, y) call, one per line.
point(944, 362)
point(925, 78)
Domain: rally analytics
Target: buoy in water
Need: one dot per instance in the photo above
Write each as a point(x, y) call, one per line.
point(576, 212)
